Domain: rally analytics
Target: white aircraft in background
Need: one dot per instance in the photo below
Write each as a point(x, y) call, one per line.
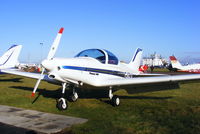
point(10, 58)
point(192, 68)
point(93, 68)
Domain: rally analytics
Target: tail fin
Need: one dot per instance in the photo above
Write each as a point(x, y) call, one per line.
point(10, 57)
point(175, 63)
point(135, 62)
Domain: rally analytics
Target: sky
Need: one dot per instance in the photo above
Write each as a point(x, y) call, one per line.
point(167, 27)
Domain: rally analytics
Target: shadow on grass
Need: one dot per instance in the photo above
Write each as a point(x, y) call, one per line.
point(103, 93)
point(152, 87)
point(12, 80)
point(46, 93)
point(146, 97)
point(137, 98)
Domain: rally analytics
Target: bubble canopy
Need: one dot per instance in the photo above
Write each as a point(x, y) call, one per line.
point(102, 55)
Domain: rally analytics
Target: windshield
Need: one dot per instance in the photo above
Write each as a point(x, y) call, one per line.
point(112, 59)
point(94, 53)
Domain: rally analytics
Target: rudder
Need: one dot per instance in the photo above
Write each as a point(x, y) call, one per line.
point(175, 63)
point(136, 60)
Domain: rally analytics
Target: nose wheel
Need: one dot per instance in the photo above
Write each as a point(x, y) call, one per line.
point(62, 104)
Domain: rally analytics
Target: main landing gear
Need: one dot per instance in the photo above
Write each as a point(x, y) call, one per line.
point(115, 101)
point(74, 96)
point(62, 103)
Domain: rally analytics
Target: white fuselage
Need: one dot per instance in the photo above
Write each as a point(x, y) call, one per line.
point(191, 68)
point(84, 69)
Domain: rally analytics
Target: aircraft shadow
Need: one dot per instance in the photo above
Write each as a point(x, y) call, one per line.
point(138, 98)
point(146, 97)
point(12, 80)
point(152, 87)
point(46, 93)
point(103, 93)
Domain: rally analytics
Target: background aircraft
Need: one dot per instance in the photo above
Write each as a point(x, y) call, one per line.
point(93, 68)
point(10, 58)
point(192, 68)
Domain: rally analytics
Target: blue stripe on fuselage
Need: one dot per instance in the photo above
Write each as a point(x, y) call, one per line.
point(74, 68)
point(104, 71)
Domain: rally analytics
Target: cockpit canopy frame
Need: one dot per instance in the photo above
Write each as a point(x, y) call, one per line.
point(102, 55)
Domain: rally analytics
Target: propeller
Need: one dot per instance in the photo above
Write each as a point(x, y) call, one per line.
point(38, 82)
point(50, 56)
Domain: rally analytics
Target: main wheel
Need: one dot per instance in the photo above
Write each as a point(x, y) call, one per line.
point(74, 97)
point(62, 104)
point(115, 100)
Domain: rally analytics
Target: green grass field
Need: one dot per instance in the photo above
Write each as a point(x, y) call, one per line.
point(163, 112)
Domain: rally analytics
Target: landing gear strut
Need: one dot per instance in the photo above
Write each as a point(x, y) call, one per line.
point(115, 101)
point(62, 103)
point(74, 95)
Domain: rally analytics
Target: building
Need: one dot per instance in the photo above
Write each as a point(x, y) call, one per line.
point(154, 60)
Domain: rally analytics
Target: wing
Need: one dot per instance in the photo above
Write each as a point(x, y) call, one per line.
point(101, 82)
point(151, 74)
point(27, 74)
point(105, 82)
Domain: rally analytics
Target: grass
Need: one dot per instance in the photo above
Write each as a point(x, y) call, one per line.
point(162, 112)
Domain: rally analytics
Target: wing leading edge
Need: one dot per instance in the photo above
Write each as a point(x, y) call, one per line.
point(27, 74)
point(100, 82)
point(104, 82)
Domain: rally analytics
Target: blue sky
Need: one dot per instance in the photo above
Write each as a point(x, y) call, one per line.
point(163, 26)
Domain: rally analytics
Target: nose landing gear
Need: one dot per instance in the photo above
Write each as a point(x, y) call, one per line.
point(62, 104)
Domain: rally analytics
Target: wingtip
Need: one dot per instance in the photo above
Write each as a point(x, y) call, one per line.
point(61, 30)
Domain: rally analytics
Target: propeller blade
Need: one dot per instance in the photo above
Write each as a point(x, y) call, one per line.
point(51, 54)
point(38, 82)
point(55, 44)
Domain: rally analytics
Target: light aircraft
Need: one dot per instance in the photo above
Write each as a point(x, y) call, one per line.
point(10, 58)
point(96, 68)
point(191, 68)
